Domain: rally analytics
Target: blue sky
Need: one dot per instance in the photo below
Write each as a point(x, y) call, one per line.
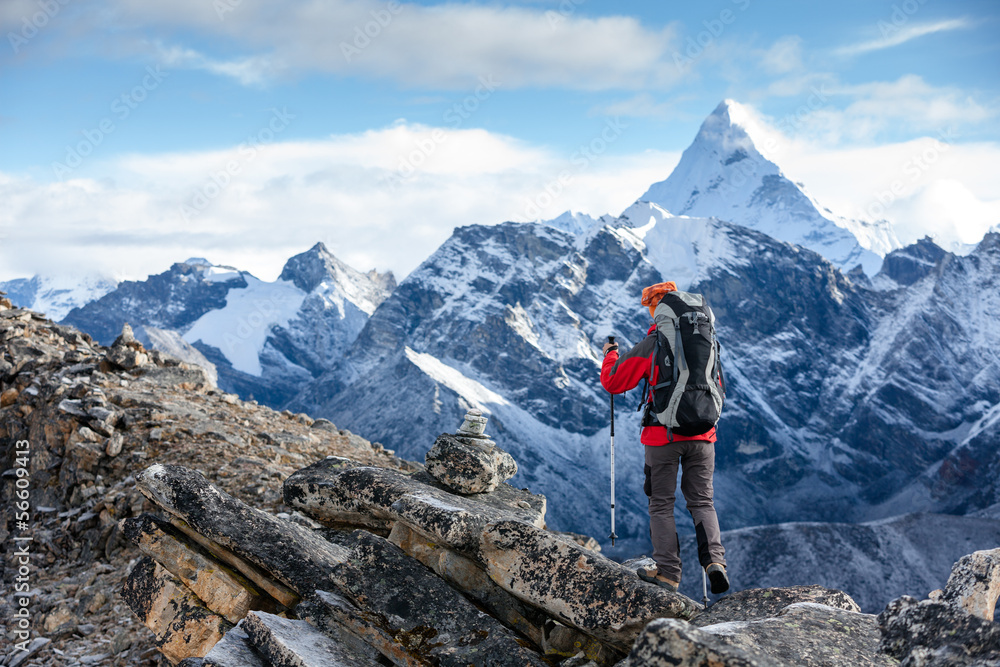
point(118, 118)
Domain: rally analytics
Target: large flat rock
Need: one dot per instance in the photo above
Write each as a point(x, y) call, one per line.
point(809, 635)
point(577, 586)
point(287, 643)
point(335, 488)
point(672, 642)
point(291, 553)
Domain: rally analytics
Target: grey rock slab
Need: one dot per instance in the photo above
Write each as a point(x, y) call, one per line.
point(809, 635)
point(422, 612)
point(234, 650)
point(290, 553)
point(287, 643)
point(334, 488)
point(577, 586)
point(468, 465)
point(910, 627)
point(672, 642)
point(756, 603)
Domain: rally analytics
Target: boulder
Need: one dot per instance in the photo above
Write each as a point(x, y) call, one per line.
point(292, 554)
point(336, 489)
point(757, 603)
point(577, 586)
point(936, 633)
point(182, 625)
point(974, 584)
point(469, 465)
point(288, 643)
point(672, 642)
point(221, 590)
point(808, 635)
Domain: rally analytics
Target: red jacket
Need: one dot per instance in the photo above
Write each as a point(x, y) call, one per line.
point(619, 374)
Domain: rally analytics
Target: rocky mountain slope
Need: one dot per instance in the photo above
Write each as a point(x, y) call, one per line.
point(81, 420)
point(723, 174)
point(264, 339)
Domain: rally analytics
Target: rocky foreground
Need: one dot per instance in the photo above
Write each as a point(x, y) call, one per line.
point(240, 537)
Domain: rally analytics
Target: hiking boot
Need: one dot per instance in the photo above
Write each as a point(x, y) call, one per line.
point(653, 576)
point(717, 575)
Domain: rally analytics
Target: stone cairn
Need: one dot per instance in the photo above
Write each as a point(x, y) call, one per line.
point(449, 565)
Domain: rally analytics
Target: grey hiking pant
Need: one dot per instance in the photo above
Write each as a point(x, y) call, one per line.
point(696, 459)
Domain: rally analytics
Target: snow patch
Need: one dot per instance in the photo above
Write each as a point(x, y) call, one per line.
point(469, 389)
point(240, 329)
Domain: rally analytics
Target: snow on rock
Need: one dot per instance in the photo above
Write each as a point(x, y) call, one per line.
point(55, 296)
point(242, 326)
point(723, 174)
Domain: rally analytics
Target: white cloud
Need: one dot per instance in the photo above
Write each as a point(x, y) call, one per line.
point(785, 55)
point(894, 35)
point(933, 185)
point(441, 46)
point(834, 113)
point(125, 217)
point(251, 71)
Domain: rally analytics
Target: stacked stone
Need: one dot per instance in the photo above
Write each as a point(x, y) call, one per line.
point(469, 462)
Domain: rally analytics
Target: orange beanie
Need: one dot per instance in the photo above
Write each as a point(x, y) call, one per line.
point(651, 295)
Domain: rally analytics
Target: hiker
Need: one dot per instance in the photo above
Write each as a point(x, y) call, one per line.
point(689, 440)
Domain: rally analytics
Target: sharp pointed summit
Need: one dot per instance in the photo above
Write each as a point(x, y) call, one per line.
point(723, 174)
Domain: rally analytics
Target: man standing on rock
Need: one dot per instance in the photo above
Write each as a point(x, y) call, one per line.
point(682, 407)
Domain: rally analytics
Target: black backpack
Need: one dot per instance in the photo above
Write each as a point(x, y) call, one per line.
point(691, 390)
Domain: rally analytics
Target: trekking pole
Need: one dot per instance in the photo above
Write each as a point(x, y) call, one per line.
point(704, 587)
point(611, 339)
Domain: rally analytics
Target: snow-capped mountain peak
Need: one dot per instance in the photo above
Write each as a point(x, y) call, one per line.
point(723, 174)
point(57, 295)
point(318, 270)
